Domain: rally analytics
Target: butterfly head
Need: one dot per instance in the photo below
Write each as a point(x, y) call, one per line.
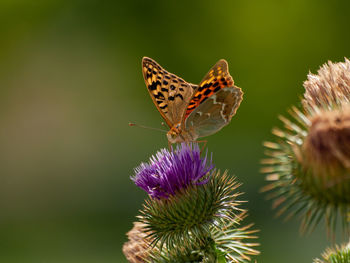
point(174, 135)
point(177, 134)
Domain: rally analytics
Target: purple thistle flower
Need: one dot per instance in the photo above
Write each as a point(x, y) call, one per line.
point(168, 172)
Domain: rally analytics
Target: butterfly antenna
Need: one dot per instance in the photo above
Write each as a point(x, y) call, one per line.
point(146, 127)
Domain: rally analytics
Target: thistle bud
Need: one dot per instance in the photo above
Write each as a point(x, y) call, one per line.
point(338, 254)
point(192, 213)
point(309, 164)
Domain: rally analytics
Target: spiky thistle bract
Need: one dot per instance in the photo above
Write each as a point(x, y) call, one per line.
point(227, 243)
point(189, 215)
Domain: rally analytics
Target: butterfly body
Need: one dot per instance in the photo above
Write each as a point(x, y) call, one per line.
point(192, 111)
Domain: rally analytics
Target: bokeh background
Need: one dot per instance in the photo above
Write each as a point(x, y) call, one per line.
point(70, 81)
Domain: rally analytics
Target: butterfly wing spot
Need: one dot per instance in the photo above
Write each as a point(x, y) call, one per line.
point(153, 86)
point(207, 92)
point(159, 95)
point(179, 96)
point(163, 106)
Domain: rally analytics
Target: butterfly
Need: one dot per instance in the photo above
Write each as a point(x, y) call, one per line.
point(192, 111)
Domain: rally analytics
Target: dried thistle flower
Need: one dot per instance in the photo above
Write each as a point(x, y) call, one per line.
point(338, 254)
point(328, 141)
point(137, 249)
point(329, 88)
point(309, 164)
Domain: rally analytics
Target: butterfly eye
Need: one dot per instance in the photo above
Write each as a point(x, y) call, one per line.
point(172, 135)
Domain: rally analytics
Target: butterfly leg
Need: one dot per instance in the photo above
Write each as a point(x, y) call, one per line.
point(204, 144)
point(170, 146)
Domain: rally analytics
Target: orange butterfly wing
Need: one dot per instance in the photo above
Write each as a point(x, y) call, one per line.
point(170, 93)
point(214, 103)
point(216, 79)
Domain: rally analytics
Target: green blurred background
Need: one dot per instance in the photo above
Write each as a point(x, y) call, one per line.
point(70, 79)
